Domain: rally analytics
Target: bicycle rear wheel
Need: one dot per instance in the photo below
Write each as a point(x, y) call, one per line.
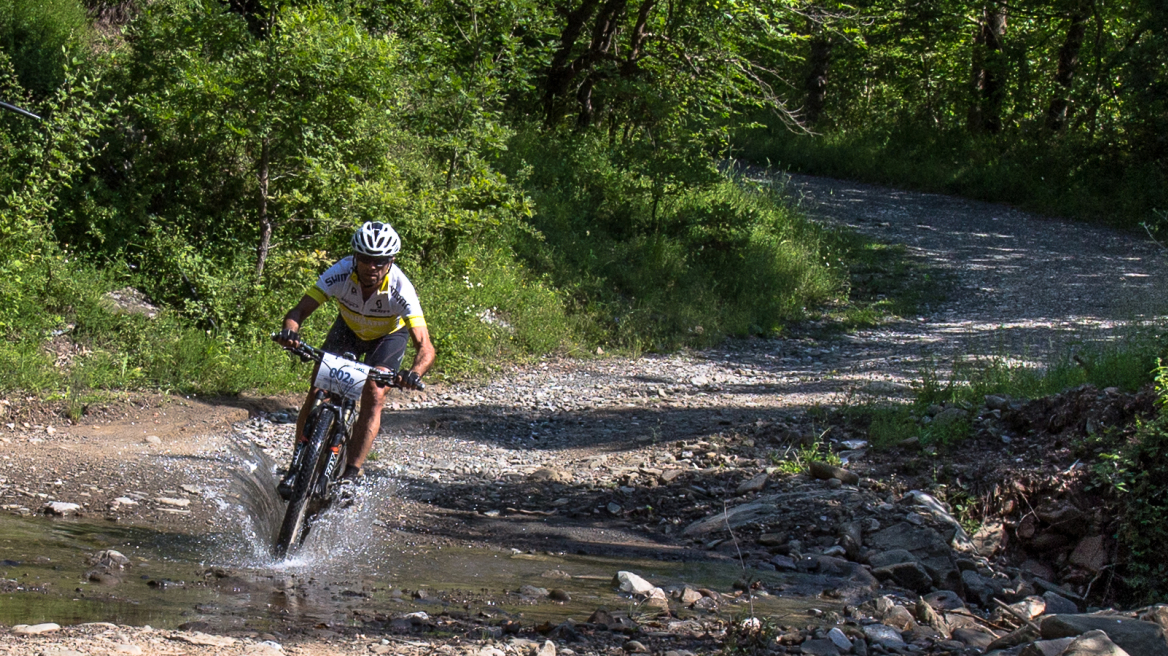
point(294, 527)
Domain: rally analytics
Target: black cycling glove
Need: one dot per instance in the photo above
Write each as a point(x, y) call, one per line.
point(286, 335)
point(410, 380)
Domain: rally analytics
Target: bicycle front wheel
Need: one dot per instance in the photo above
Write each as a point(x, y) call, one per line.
point(295, 525)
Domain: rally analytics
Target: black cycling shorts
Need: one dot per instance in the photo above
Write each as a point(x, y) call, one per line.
point(384, 351)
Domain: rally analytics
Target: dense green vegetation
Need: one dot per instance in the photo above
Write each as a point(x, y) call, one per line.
point(1055, 105)
point(553, 172)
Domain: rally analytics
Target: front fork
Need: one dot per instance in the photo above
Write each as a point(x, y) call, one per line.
point(339, 436)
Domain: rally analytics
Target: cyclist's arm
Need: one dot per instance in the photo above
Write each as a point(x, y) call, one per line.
point(297, 315)
point(424, 357)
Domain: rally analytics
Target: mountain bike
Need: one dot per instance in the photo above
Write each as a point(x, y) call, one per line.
point(318, 462)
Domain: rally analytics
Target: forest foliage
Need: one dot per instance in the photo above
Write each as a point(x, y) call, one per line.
point(1054, 105)
point(558, 170)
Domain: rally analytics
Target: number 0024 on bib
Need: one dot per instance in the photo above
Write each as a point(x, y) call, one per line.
point(341, 376)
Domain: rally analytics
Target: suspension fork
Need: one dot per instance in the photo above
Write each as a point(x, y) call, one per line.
point(337, 439)
point(302, 439)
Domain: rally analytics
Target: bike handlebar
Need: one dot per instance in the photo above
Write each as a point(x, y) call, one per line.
point(381, 378)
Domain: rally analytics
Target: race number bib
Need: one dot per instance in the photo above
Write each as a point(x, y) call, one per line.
point(341, 376)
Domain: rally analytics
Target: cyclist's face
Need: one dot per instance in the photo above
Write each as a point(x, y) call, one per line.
point(371, 270)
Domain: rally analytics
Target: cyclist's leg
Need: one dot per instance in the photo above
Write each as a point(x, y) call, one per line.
point(386, 354)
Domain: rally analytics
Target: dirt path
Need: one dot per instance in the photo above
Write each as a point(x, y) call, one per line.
point(618, 457)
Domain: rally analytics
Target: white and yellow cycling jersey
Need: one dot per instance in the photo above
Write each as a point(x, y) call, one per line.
point(392, 307)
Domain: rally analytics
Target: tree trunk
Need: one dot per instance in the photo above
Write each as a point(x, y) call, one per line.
point(561, 70)
point(989, 71)
point(1068, 61)
point(816, 82)
point(265, 219)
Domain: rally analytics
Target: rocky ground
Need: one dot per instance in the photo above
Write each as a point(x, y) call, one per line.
point(696, 456)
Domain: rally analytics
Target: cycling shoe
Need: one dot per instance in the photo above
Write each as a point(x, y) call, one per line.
point(345, 491)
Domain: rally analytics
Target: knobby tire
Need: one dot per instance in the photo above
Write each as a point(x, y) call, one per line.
point(293, 529)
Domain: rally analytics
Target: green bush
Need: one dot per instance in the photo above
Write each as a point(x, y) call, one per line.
point(40, 36)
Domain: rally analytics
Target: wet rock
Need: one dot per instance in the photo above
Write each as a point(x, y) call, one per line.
point(1056, 604)
point(755, 484)
point(1094, 643)
point(36, 629)
point(884, 635)
point(911, 575)
point(62, 509)
point(819, 647)
point(824, 471)
point(632, 584)
point(1134, 636)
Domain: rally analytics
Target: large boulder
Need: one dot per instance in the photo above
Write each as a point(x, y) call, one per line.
point(927, 545)
point(1133, 636)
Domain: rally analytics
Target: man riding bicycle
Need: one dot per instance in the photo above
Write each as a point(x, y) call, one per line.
point(378, 309)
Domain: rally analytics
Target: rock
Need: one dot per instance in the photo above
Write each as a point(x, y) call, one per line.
point(1030, 607)
point(755, 484)
point(36, 629)
point(1046, 647)
point(1038, 569)
point(532, 592)
point(1157, 614)
point(548, 648)
point(1020, 637)
point(819, 647)
point(632, 584)
point(1063, 517)
point(559, 594)
point(177, 503)
point(851, 539)
point(890, 557)
point(824, 471)
point(926, 544)
point(1091, 553)
point(60, 652)
point(689, 596)
point(128, 301)
point(657, 599)
point(974, 637)
point(1133, 636)
point(840, 640)
point(62, 508)
point(734, 517)
point(132, 650)
point(943, 600)
point(976, 587)
point(912, 576)
point(111, 558)
point(1056, 604)
point(900, 618)
point(204, 639)
point(551, 475)
point(635, 647)
point(994, 402)
point(949, 417)
point(153, 439)
point(783, 563)
point(925, 614)
point(1094, 643)
point(884, 635)
point(988, 539)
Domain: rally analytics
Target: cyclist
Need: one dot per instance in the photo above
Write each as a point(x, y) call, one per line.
point(378, 310)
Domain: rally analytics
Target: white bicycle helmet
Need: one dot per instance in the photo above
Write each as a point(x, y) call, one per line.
point(376, 239)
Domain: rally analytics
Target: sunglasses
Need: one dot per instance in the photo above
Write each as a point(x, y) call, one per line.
point(374, 261)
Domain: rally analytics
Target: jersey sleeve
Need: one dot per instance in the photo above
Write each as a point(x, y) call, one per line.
point(412, 314)
point(330, 281)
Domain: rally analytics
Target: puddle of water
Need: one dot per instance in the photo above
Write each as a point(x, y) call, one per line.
point(348, 569)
